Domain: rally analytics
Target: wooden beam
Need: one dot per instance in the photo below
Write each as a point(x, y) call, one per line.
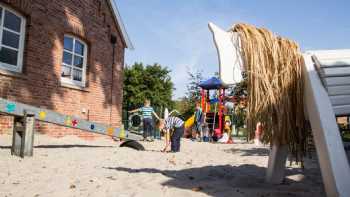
point(336, 81)
point(45, 115)
point(340, 100)
point(338, 90)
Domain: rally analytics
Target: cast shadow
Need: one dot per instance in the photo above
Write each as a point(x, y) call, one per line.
point(243, 180)
point(249, 152)
point(64, 146)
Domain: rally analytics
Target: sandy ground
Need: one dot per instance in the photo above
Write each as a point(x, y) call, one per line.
point(70, 166)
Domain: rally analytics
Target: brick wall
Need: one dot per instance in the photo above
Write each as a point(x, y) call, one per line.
point(6, 124)
point(39, 83)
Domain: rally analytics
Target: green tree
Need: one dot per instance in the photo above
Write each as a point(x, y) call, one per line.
point(193, 93)
point(185, 107)
point(186, 104)
point(152, 82)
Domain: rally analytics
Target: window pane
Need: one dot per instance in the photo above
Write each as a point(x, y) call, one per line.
point(77, 75)
point(78, 61)
point(79, 48)
point(67, 58)
point(10, 39)
point(66, 71)
point(8, 56)
point(12, 21)
point(68, 43)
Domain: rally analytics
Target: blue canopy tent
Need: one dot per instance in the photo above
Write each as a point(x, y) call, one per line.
point(212, 84)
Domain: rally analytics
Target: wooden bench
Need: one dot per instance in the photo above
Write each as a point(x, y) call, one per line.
point(333, 67)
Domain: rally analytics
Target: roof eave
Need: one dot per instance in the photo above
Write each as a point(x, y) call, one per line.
point(119, 21)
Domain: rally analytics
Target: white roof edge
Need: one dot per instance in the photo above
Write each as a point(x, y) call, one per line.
point(119, 20)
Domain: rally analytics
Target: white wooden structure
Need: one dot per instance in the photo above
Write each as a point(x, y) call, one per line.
point(327, 94)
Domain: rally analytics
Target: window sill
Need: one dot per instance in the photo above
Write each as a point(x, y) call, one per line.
point(75, 87)
point(12, 74)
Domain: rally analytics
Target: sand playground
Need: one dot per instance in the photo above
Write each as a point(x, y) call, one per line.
point(70, 166)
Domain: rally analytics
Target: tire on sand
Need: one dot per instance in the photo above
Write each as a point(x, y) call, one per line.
point(133, 144)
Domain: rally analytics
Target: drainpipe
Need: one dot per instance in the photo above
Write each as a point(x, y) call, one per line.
point(113, 42)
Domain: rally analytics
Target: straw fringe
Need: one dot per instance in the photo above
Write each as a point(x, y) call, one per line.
point(275, 86)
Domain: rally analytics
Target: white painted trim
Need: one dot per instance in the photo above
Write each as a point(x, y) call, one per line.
point(72, 86)
point(119, 21)
point(18, 68)
point(71, 81)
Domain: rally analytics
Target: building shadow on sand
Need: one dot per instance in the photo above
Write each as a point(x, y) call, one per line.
point(243, 180)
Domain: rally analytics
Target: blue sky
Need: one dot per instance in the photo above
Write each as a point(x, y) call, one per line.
point(175, 33)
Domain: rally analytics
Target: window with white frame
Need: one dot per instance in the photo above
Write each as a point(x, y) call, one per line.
point(74, 61)
point(12, 32)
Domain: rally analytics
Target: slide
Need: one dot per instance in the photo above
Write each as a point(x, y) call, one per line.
point(189, 122)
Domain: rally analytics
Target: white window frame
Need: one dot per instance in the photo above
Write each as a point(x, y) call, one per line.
point(19, 66)
point(70, 81)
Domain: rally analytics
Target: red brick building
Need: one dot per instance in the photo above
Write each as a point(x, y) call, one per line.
point(65, 55)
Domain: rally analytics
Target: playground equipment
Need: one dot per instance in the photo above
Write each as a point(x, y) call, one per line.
point(216, 85)
point(24, 121)
point(215, 116)
point(189, 122)
point(188, 126)
point(327, 94)
point(135, 120)
point(136, 123)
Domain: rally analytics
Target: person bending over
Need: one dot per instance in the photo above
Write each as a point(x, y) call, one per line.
point(173, 128)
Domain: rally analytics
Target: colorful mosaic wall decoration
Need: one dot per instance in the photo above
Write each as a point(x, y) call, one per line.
point(42, 115)
point(110, 131)
point(10, 107)
point(68, 121)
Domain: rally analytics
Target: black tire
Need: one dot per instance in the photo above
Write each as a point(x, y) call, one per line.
point(136, 123)
point(133, 144)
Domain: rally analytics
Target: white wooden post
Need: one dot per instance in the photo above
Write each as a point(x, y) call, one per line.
point(276, 164)
point(28, 135)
